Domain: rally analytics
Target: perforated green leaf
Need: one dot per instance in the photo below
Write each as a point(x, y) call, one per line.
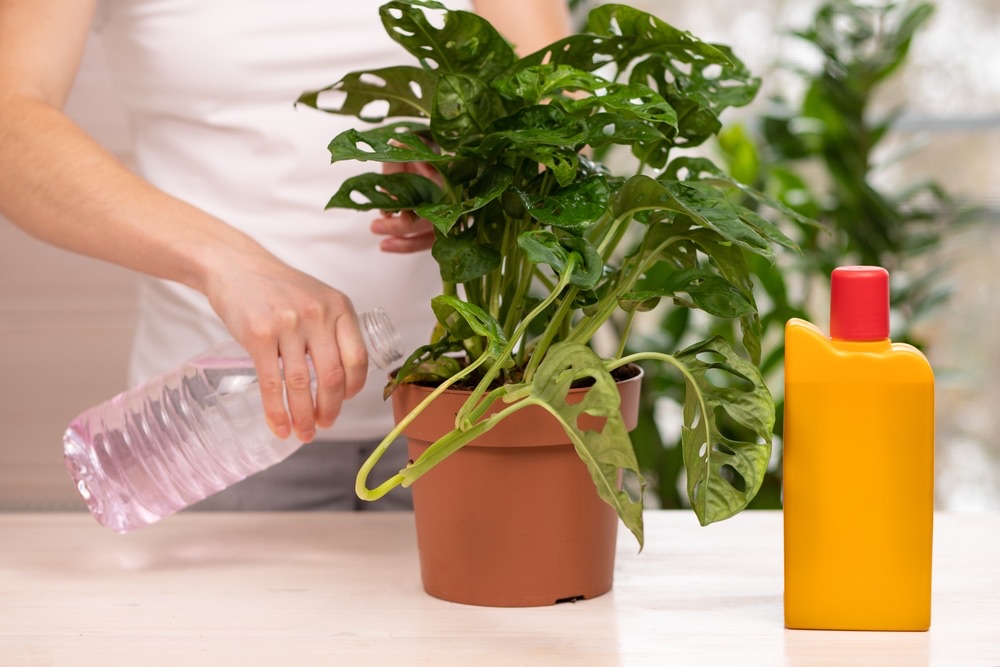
point(375, 95)
point(460, 42)
point(386, 192)
point(724, 473)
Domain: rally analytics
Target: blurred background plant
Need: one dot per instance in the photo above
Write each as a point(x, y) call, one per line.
point(820, 154)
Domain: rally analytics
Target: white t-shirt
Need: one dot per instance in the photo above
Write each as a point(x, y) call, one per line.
point(210, 88)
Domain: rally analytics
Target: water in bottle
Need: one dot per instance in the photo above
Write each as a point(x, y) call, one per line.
point(177, 439)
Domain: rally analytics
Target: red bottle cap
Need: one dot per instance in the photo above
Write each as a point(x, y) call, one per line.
point(859, 303)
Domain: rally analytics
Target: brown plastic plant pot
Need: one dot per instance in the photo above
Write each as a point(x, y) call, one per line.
point(512, 519)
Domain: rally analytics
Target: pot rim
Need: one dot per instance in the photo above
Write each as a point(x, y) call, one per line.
point(438, 417)
point(640, 373)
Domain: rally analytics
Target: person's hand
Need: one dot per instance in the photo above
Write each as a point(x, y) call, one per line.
point(279, 315)
point(404, 231)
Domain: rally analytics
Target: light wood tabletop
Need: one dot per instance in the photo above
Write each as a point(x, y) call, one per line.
point(344, 589)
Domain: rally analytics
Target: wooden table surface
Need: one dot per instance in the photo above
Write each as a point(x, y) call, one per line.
point(343, 589)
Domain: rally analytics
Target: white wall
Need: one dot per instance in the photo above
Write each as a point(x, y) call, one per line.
point(65, 329)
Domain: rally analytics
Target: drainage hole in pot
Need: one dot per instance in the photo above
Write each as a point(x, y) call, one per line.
point(572, 598)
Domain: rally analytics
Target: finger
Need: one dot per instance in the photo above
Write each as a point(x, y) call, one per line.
point(404, 233)
point(393, 167)
point(405, 244)
point(353, 355)
point(330, 380)
point(298, 390)
point(341, 364)
point(404, 224)
point(272, 391)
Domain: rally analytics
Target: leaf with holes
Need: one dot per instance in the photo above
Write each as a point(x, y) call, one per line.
point(605, 452)
point(462, 42)
point(634, 101)
point(637, 34)
point(401, 191)
point(398, 142)
point(606, 128)
point(533, 84)
point(712, 84)
point(724, 473)
point(377, 94)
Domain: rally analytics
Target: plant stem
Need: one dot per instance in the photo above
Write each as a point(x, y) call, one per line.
point(525, 273)
point(605, 309)
point(450, 443)
point(598, 231)
point(613, 237)
point(554, 327)
point(461, 420)
point(626, 330)
point(361, 482)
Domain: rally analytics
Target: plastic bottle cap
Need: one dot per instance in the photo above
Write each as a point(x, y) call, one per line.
point(859, 303)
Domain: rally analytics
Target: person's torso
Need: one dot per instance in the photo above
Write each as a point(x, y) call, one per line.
point(210, 88)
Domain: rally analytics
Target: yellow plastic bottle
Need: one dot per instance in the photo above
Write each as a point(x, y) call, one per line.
point(858, 467)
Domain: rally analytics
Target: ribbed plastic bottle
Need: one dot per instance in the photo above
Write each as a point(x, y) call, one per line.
point(162, 446)
point(858, 467)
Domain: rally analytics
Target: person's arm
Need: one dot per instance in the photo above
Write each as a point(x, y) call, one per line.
point(528, 25)
point(60, 186)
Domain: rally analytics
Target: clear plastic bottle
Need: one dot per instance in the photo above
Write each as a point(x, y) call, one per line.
point(178, 438)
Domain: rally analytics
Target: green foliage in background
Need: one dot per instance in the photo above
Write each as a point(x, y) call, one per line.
point(817, 155)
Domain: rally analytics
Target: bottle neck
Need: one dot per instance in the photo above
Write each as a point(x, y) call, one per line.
point(381, 338)
point(882, 345)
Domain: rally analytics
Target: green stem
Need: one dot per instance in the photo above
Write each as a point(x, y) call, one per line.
point(493, 289)
point(523, 277)
point(361, 483)
point(626, 330)
point(671, 360)
point(484, 405)
point(613, 236)
point(461, 420)
point(586, 329)
point(450, 443)
point(599, 230)
point(553, 328)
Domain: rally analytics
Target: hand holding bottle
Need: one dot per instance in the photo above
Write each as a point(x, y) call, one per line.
point(185, 435)
point(279, 316)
